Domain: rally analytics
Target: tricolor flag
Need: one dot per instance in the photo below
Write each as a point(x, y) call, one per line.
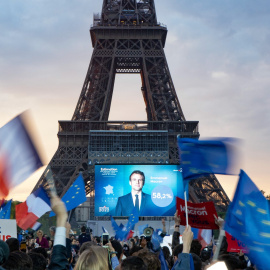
point(35, 206)
point(203, 235)
point(18, 155)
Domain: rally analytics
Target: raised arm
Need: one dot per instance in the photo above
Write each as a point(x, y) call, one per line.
point(59, 255)
point(176, 233)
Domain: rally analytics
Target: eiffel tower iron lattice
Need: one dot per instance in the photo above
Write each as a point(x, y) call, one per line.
point(126, 38)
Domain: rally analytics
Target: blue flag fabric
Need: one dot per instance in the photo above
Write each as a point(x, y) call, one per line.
point(163, 262)
point(156, 240)
point(248, 220)
point(133, 219)
point(75, 195)
point(6, 210)
point(114, 224)
point(202, 157)
point(122, 233)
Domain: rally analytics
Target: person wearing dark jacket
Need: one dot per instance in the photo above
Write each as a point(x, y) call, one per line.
point(83, 237)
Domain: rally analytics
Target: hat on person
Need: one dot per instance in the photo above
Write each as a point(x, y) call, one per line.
point(4, 251)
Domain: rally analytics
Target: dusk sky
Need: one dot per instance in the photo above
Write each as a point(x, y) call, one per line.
point(218, 54)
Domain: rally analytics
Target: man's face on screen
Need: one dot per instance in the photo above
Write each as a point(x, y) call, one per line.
point(136, 182)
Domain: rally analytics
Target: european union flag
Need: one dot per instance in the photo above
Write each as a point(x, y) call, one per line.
point(122, 233)
point(6, 210)
point(248, 220)
point(114, 224)
point(75, 195)
point(133, 219)
point(156, 240)
point(202, 157)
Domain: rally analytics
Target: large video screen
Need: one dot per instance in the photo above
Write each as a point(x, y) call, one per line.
point(156, 187)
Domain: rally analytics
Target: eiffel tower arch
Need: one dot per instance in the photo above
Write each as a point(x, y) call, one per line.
point(126, 38)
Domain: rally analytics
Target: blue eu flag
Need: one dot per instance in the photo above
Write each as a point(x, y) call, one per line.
point(121, 233)
point(6, 210)
point(75, 195)
point(202, 157)
point(156, 240)
point(248, 220)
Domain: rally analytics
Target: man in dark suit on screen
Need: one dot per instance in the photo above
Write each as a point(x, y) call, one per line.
point(136, 198)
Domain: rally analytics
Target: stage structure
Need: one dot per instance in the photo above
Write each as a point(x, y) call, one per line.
point(127, 38)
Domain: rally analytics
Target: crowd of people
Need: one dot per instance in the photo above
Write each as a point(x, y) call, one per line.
point(60, 250)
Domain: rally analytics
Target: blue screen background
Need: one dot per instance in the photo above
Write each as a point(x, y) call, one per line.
point(112, 181)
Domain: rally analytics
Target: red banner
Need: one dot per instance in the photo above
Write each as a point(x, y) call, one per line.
point(235, 245)
point(200, 215)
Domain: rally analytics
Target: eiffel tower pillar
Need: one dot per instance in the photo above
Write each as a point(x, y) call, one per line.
point(126, 39)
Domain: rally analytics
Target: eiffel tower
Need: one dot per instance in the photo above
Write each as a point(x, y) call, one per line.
point(126, 38)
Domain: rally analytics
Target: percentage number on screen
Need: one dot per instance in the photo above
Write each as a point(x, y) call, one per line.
point(161, 195)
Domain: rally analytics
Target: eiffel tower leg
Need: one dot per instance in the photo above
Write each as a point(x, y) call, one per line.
point(95, 99)
point(161, 96)
point(208, 188)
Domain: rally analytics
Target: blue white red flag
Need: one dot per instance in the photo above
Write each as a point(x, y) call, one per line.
point(35, 206)
point(36, 226)
point(18, 156)
point(203, 235)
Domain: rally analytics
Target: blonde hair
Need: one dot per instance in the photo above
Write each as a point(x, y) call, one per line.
point(41, 232)
point(94, 258)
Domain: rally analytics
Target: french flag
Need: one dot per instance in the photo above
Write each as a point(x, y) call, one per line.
point(18, 155)
point(203, 235)
point(35, 206)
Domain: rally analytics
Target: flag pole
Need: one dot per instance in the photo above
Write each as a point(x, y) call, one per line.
point(69, 215)
point(221, 235)
point(185, 194)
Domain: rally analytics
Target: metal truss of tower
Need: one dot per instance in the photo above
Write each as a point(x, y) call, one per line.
point(126, 39)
